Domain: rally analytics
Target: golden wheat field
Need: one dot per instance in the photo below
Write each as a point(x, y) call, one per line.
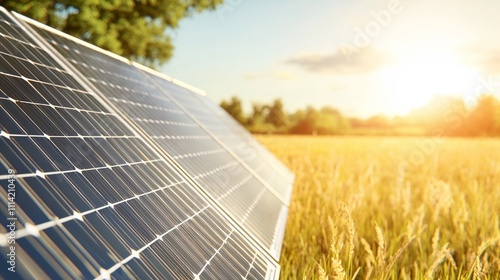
point(391, 208)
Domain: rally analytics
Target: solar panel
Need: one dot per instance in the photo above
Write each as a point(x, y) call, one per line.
point(246, 140)
point(148, 103)
point(234, 136)
point(91, 197)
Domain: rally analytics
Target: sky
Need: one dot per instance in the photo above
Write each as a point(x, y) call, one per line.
point(364, 57)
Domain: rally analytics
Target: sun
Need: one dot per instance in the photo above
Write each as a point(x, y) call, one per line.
point(416, 78)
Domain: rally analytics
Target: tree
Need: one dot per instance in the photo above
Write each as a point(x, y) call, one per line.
point(275, 114)
point(135, 29)
point(258, 114)
point(442, 115)
point(483, 120)
point(327, 121)
point(233, 107)
point(305, 121)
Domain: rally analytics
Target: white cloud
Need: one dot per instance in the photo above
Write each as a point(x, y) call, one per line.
point(366, 61)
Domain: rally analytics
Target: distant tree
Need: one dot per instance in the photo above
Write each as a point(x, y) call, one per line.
point(305, 121)
point(484, 118)
point(377, 121)
point(234, 108)
point(331, 121)
point(443, 115)
point(131, 28)
point(275, 114)
point(327, 121)
point(257, 115)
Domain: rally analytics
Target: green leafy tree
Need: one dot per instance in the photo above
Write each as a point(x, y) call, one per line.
point(256, 122)
point(258, 114)
point(135, 29)
point(327, 121)
point(276, 115)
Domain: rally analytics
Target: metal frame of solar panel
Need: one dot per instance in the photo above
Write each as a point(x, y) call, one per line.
point(248, 199)
point(230, 134)
point(244, 141)
point(94, 198)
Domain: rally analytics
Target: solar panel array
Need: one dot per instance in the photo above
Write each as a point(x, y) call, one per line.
point(124, 173)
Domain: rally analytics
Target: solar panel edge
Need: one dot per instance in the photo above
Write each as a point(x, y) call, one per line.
point(138, 131)
point(285, 200)
point(201, 94)
point(171, 79)
point(221, 143)
point(278, 167)
point(96, 48)
point(24, 18)
point(283, 173)
point(64, 64)
point(256, 141)
point(280, 228)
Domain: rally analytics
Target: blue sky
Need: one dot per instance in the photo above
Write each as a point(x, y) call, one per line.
point(362, 57)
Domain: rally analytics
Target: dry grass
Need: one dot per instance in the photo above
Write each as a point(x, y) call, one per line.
point(391, 208)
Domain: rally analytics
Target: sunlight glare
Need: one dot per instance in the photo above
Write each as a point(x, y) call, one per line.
point(414, 79)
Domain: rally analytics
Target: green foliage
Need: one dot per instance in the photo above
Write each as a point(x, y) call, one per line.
point(442, 116)
point(327, 121)
point(275, 114)
point(233, 107)
point(135, 29)
point(271, 118)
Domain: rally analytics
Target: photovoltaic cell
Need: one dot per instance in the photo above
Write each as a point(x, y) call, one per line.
point(258, 207)
point(232, 135)
point(226, 122)
point(92, 198)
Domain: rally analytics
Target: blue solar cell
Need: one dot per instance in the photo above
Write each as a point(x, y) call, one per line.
point(97, 197)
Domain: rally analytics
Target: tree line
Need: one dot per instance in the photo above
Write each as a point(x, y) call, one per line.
point(442, 116)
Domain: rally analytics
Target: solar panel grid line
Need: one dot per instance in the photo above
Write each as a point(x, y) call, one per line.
point(216, 170)
point(253, 156)
point(277, 235)
point(30, 229)
point(54, 106)
point(279, 229)
point(78, 76)
point(217, 110)
point(96, 90)
point(44, 174)
point(105, 274)
point(209, 132)
point(204, 118)
point(50, 174)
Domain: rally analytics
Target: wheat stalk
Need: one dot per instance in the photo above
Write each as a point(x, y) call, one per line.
point(350, 229)
point(322, 273)
point(381, 247)
point(338, 269)
point(435, 242)
point(437, 261)
point(371, 257)
point(397, 255)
